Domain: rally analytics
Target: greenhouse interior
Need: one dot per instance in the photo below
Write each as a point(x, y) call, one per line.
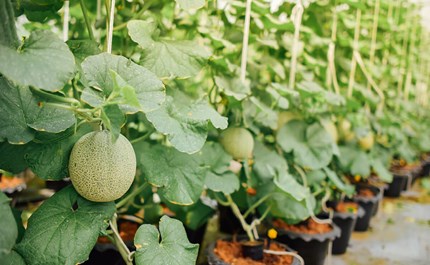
point(180, 132)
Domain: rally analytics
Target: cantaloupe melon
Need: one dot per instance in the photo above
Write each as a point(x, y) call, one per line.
point(102, 170)
point(238, 142)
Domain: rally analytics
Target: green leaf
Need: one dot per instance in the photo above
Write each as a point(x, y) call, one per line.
point(50, 160)
point(233, 87)
point(218, 178)
point(255, 110)
point(191, 4)
point(64, 229)
point(354, 160)
point(12, 157)
point(12, 258)
point(22, 112)
point(113, 119)
point(43, 61)
point(193, 216)
point(148, 88)
point(81, 49)
point(8, 228)
point(335, 179)
point(269, 165)
point(382, 171)
point(226, 183)
point(310, 144)
point(173, 247)
point(179, 176)
point(213, 156)
point(186, 122)
point(167, 58)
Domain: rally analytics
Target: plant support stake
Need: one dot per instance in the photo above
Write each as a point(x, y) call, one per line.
point(66, 16)
point(355, 48)
point(110, 29)
point(245, 41)
point(297, 20)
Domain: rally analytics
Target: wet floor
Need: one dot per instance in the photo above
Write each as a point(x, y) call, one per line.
point(399, 235)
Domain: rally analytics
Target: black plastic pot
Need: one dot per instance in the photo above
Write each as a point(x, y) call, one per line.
point(312, 247)
point(253, 250)
point(380, 197)
point(425, 170)
point(346, 223)
point(396, 187)
point(368, 205)
point(213, 259)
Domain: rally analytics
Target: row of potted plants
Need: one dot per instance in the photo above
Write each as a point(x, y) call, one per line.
point(265, 113)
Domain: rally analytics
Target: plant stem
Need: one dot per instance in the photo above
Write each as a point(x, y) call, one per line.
point(258, 203)
point(131, 195)
point(238, 214)
point(143, 137)
point(87, 21)
point(119, 243)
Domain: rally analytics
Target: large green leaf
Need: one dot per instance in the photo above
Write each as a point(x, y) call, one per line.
point(22, 112)
point(310, 143)
point(336, 180)
point(50, 160)
point(185, 122)
point(42, 61)
point(269, 165)
point(218, 178)
point(226, 183)
point(255, 110)
point(12, 157)
point(8, 228)
point(12, 258)
point(64, 229)
point(169, 246)
point(382, 171)
point(354, 160)
point(167, 58)
point(179, 176)
point(148, 88)
point(232, 86)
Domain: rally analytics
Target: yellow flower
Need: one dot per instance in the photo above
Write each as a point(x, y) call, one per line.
point(357, 178)
point(272, 233)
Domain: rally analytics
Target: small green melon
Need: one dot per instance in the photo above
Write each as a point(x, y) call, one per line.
point(238, 142)
point(102, 170)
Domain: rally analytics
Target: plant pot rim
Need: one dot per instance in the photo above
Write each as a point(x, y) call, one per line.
point(360, 213)
point(376, 195)
point(211, 247)
point(331, 235)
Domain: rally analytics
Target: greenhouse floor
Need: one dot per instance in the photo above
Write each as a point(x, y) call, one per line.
point(399, 234)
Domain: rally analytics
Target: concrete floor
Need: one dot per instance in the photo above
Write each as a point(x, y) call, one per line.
point(399, 235)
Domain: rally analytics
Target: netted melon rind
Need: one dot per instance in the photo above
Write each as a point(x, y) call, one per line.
point(101, 170)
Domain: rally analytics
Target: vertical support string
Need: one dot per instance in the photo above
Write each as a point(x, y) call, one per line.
point(374, 35)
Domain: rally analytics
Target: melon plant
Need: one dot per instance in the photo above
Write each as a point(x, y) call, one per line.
point(102, 170)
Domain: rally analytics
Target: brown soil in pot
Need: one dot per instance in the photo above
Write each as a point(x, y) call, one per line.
point(347, 207)
point(307, 227)
point(127, 230)
point(367, 193)
point(231, 252)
